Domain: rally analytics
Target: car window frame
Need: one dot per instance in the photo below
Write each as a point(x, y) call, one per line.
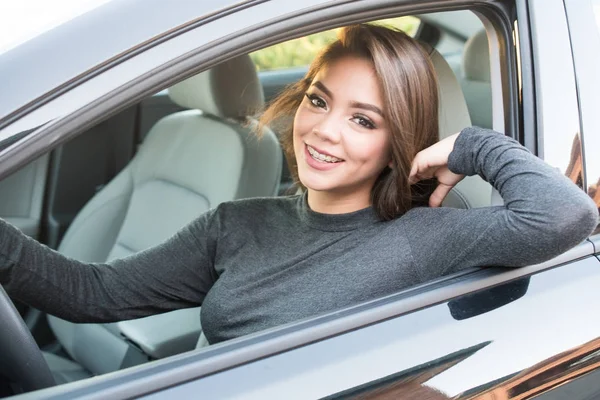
point(584, 31)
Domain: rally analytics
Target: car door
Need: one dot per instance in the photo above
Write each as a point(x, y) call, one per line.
point(22, 197)
point(484, 334)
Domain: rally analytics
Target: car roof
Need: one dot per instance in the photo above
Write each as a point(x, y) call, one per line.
point(111, 30)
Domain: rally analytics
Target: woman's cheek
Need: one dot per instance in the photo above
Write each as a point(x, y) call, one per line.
point(372, 150)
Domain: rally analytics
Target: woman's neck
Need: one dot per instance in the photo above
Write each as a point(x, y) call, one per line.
point(325, 202)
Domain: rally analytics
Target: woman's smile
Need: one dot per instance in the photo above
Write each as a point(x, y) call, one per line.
point(319, 160)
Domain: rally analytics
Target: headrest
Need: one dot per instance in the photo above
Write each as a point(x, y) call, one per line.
point(476, 58)
point(453, 111)
point(228, 90)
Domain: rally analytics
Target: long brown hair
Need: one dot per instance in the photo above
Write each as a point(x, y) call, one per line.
point(410, 95)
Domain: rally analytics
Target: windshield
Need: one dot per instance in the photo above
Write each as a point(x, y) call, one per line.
point(23, 20)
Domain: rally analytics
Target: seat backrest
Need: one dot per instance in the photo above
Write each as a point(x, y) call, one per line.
point(476, 81)
point(453, 117)
point(189, 162)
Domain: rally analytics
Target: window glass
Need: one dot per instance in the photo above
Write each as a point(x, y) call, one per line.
point(300, 52)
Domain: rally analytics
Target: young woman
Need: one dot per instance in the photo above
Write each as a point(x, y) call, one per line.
point(360, 132)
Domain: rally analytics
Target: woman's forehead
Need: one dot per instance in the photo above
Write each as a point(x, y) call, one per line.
point(350, 76)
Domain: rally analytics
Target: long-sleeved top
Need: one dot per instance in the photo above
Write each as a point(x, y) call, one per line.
point(258, 263)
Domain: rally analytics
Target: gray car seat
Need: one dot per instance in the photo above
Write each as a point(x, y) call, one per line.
point(189, 162)
point(476, 81)
point(453, 117)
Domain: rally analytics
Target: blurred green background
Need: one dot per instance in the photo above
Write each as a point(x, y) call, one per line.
point(302, 51)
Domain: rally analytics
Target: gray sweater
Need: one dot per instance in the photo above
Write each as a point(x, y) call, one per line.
point(258, 263)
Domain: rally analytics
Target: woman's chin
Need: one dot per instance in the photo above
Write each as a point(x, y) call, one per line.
point(317, 183)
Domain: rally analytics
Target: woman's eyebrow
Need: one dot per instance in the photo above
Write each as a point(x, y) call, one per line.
point(366, 106)
point(323, 88)
point(353, 104)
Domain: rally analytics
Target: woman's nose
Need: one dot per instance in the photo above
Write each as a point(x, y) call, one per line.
point(328, 129)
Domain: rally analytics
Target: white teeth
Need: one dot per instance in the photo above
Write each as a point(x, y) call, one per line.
point(322, 157)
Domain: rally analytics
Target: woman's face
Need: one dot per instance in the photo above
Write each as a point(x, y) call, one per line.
point(341, 138)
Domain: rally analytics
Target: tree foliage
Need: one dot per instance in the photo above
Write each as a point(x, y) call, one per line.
point(301, 51)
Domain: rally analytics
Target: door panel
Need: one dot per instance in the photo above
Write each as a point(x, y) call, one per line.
point(23, 195)
point(540, 329)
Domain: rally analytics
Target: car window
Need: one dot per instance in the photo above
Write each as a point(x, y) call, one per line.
point(300, 52)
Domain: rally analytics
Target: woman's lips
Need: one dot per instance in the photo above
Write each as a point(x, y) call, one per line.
point(319, 165)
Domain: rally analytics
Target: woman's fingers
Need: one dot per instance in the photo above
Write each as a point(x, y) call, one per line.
point(439, 194)
point(446, 181)
point(420, 169)
point(429, 160)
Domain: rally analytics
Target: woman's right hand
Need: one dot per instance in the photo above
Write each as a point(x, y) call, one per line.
point(433, 162)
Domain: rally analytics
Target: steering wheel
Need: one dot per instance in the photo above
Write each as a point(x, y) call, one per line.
point(21, 361)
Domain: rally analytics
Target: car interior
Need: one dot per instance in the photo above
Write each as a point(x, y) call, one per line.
point(136, 178)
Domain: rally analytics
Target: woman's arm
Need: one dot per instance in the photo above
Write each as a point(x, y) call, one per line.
point(175, 274)
point(544, 213)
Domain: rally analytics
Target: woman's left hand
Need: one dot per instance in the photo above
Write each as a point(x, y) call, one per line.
point(433, 162)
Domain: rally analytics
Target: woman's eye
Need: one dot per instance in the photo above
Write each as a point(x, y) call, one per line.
point(316, 100)
point(363, 121)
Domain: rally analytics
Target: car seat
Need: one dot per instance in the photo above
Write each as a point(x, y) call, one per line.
point(476, 81)
point(453, 117)
point(189, 162)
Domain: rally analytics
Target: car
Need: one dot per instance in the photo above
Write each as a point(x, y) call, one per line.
point(102, 123)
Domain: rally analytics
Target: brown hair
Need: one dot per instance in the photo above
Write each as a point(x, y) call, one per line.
point(410, 95)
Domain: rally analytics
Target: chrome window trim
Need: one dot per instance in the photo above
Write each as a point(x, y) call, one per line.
point(527, 122)
point(556, 95)
point(585, 41)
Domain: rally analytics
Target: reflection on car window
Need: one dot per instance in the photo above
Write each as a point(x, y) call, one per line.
point(300, 52)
